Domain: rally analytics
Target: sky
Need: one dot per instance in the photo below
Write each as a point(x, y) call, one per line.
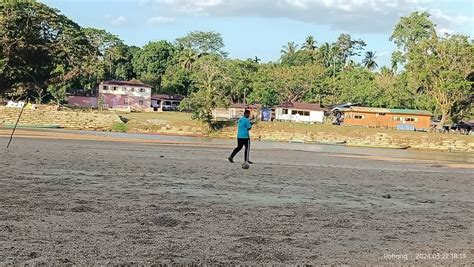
point(261, 27)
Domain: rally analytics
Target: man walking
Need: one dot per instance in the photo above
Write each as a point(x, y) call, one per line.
point(243, 138)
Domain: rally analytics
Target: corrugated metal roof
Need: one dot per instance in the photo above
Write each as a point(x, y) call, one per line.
point(127, 83)
point(411, 111)
point(167, 97)
point(301, 106)
point(388, 110)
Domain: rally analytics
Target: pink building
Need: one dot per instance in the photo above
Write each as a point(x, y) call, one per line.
point(82, 98)
point(132, 95)
point(119, 95)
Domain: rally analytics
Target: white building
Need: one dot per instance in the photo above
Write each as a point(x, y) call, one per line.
point(299, 112)
point(133, 95)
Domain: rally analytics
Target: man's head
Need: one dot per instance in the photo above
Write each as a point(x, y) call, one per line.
point(247, 113)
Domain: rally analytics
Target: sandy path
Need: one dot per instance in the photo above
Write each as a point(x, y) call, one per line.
point(82, 202)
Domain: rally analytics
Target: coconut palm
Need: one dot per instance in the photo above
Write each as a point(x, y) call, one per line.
point(256, 60)
point(327, 54)
point(187, 58)
point(369, 60)
point(309, 44)
point(289, 49)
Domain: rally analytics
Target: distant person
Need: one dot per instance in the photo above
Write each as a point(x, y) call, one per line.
point(243, 137)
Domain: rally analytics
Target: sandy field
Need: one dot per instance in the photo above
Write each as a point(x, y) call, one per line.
point(99, 202)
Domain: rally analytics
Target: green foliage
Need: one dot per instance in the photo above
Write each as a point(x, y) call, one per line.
point(151, 62)
point(177, 81)
point(120, 127)
point(413, 29)
point(213, 83)
point(300, 58)
point(202, 42)
point(440, 68)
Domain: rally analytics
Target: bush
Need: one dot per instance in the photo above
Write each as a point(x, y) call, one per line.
point(120, 127)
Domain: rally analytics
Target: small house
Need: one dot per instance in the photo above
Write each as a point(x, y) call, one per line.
point(235, 111)
point(402, 119)
point(299, 112)
point(163, 102)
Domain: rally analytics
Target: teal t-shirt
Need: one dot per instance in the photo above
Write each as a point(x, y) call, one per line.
point(243, 128)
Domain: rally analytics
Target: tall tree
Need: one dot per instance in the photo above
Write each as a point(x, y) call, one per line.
point(440, 67)
point(213, 89)
point(369, 60)
point(151, 62)
point(346, 47)
point(187, 58)
point(203, 42)
point(289, 49)
point(309, 44)
point(39, 48)
point(409, 32)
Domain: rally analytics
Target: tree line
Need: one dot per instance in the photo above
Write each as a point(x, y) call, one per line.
point(43, 54)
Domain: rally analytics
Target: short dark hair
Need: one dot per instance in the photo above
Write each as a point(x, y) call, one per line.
point(247, 111)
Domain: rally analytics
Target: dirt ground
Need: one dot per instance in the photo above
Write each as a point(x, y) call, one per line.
point(99, 202)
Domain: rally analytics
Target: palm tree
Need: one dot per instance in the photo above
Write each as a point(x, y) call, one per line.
point(309, 44)
point(187, 58)
point(256, 60)
point(369, 60)
point(327, 54)
point(289, 49)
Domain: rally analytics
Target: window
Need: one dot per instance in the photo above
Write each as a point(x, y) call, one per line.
point(142, 90)
point(285, 111)
point(132, 89)
point(105, 87)
point(359, 117)
point(125, 101)
point(300, 112)
point(381, 114)
point(140, 102)
point(397, 118)
point(412, 119)
point(115, 88)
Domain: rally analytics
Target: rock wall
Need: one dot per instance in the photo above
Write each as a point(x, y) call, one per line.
point(65, 119)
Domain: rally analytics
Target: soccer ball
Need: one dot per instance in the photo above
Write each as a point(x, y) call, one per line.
point(245, 165)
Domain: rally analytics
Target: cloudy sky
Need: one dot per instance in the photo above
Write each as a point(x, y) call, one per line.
point(261, 27)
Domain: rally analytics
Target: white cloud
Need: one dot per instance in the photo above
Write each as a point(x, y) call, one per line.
point(450, 24)
point(161, 20)
point(360, 16)
point(116, 21)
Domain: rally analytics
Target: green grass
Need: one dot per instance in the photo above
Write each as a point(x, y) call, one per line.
point(120, 127)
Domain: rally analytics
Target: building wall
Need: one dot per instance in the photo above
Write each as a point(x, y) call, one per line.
point(82, 101)
point(114, 101)
point(389, 120)
point(314, 116)
point(125, 90)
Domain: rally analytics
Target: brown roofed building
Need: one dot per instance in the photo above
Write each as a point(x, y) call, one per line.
point(406, 119)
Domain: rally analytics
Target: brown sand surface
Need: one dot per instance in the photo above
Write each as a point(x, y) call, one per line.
point(95, 202)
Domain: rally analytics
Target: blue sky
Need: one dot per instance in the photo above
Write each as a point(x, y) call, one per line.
point(261, 27)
